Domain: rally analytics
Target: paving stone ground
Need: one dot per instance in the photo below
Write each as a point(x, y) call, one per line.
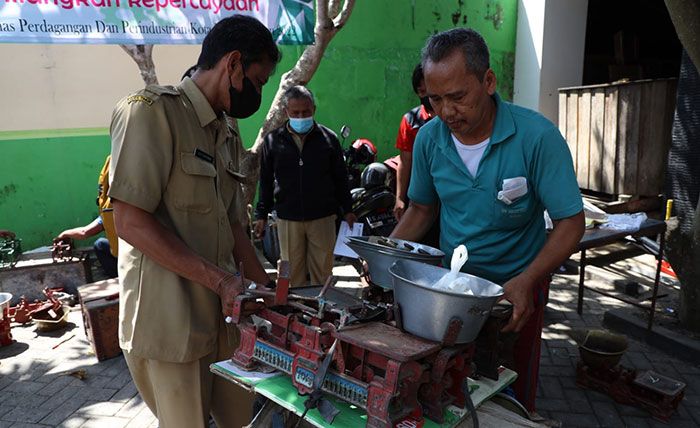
point(38, 390)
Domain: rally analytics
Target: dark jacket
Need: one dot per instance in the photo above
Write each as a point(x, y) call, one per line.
point(303, 186)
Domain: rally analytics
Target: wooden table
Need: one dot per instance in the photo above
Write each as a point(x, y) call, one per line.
point(593, 238)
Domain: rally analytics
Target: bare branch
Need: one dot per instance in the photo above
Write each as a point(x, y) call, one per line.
point(143, 57)
point(340, 20)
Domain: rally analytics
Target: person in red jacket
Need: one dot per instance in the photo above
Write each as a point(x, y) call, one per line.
point(410, 124)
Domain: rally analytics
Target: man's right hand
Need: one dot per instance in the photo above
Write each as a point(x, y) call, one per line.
point(259, 227)
point(399, 209)
point(228, 289)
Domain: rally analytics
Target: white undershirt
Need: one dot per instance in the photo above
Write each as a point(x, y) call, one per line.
point(471, 155)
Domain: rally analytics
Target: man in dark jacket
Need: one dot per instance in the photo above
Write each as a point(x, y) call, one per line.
point(304, 179)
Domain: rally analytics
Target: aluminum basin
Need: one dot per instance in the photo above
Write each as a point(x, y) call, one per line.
point(402, 246)
point(379, 261)
point(426, 312)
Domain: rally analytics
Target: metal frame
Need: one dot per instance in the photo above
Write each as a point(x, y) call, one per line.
point(597, 238)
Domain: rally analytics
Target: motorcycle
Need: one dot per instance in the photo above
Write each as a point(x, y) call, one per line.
point(373, 190)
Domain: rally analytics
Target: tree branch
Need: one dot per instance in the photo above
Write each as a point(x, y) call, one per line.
point(143, 57)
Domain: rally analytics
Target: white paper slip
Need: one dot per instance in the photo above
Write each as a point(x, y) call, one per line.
point(340, 248)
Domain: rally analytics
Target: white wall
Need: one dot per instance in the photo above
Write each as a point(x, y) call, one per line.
point(75, 86)
point(549, 52)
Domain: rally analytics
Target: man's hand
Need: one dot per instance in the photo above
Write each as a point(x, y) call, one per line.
point(351, 218)
point(399, 209)
point(518, 291)
point(229, 287)
point(259, 227)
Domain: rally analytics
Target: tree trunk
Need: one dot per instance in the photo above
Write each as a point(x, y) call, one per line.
point(683, 234)
point(143, 56)
point(330, 18)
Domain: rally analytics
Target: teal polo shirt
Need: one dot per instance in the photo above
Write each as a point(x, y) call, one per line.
point(502, 239)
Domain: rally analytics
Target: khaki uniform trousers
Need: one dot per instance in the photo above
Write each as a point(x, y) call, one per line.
point(308, 245)
point(182, 395)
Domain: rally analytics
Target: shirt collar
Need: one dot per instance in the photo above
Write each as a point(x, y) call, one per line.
point(205, 113)
point(503, 125)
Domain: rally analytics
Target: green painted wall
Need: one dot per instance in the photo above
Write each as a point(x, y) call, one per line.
point(48, 178)
point(48, 181)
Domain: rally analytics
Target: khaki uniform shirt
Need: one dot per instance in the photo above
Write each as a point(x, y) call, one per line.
point(173, 157)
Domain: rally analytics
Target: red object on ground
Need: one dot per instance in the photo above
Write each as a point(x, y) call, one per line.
point(5, 335)
point(667, 269)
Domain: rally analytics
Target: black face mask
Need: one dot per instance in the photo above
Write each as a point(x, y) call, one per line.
point(244, 102)
point(426, 103)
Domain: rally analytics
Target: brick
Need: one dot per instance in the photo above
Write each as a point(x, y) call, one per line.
point(674, 422)
point(24, 399)
point(57, 400)
point(143, 419)
point(551, 388)
point(691, 400)
point(576, 419)
point(558, 371)
point(597, 396)
point(100, 408)
point(73, 421)
point(5, 381)
point(636, 422)
point(24, 386)
point(117, 368)
point(62, 414)
point(127, 392)
point(120, 380)
point(693, 382)
point(694, 414)
point(105, 422)
point(560, 357)
point(59, 383)
point(97, 381)
point(552, 405)
point(96, 394)
point(638, 361)
point(631, 411)
point(27, 425)
point(577, 400)
point(607, 414)
point(20, 414)
point(132, 407)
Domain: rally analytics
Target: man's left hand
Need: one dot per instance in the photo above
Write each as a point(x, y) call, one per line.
point(351, 218)
point(518, 291)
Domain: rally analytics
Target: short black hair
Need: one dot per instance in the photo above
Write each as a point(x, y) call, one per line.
point(417, 77)
point(238, 33)
point(472, 45)
point(298, 92)
point(189, 72)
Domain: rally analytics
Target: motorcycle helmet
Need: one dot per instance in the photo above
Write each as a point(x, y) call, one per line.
point(374, 175)
point(365, 152)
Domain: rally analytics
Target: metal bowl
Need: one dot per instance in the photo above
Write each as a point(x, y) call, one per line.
point(426, 312)
point(602, 350)
point(378, 260)
point(399, 246)
point(4, 303)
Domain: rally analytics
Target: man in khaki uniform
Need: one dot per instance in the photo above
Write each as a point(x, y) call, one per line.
point(177, 208)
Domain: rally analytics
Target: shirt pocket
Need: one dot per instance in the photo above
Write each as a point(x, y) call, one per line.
point(515, 214)
point(197, 192)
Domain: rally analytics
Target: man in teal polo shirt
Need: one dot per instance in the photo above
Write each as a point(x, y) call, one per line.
point(494, 167)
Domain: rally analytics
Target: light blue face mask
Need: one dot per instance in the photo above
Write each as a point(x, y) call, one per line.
point(301, 125)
